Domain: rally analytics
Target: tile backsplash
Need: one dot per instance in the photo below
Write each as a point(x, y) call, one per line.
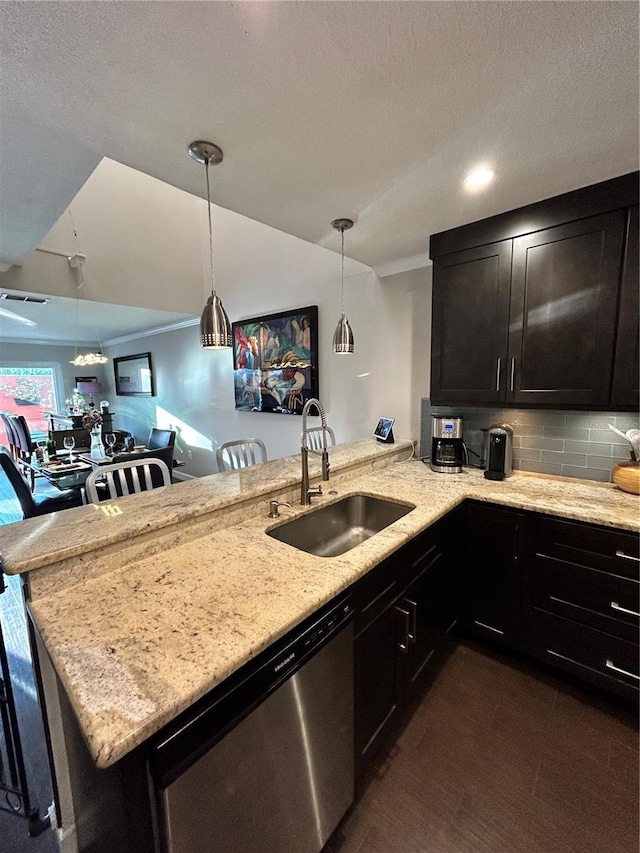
point(570, 444)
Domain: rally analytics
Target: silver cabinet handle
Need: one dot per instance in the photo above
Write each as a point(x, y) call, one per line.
point(513, 372)
point(488, 627)
point(404, 642)
point(413, 631)
point(498, 369)
point(610, 665)
point(624, 556)
point(615, 606)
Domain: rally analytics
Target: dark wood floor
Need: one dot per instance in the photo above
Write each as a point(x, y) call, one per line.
point(500, 758)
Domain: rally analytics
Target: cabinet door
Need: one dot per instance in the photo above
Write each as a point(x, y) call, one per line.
point(626, 380)
point(470, 325)
point(492, 583)
point(564, 292)
point(377, 687)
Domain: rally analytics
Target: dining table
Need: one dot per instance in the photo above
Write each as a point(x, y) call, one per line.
point(64, 474)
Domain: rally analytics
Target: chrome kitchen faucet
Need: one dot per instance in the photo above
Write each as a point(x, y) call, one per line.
point(305, 492)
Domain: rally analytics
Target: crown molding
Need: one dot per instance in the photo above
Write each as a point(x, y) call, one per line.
point(160, 330)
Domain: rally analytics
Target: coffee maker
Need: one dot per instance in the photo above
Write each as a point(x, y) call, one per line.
point(499, 452)
point(448, 452)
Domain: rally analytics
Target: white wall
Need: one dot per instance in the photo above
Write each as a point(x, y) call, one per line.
point(387, 375)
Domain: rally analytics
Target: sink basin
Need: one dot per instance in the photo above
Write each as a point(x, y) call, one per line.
point(339, 527)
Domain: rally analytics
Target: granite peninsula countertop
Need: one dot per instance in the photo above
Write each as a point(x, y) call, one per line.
point(139, 642)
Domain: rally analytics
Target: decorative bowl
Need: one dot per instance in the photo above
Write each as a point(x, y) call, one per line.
point(626, 476)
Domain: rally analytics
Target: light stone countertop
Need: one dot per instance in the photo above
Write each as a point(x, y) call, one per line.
point(136, 645)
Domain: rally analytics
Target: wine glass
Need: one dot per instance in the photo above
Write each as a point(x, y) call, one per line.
point(69, 443)
point(110, 441)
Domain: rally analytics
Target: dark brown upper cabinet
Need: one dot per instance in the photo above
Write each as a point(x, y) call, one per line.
point(564, 293)
point(470, 324)
point(547, 313)
point(626, 380)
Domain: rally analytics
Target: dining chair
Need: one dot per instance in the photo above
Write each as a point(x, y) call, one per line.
point(314, 438)
point(126, 478)
point(30, 504)
point(12, 438)
point(24, 448)
point(240, 454)
point(161, 438)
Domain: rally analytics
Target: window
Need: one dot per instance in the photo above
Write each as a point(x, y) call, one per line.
point(28, 391)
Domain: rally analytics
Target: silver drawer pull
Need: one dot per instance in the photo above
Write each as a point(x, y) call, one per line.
point(610, 665)
point(488, 627)
point(403, 644)
point(513, 372)
point(498, 366)
point(624, 556)
point(615, 606)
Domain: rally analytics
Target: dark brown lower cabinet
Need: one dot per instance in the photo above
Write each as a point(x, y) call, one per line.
point(565, 593)
point(582, 603)
point(494, 558)
point(404, 611)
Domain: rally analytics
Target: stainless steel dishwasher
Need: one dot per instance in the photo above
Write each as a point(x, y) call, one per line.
point(267, 765)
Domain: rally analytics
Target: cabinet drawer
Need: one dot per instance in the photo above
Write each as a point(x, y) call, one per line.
point(599, 658)
point(375, 591)
point(612, 551)
point(421, 553)
point(595, 598)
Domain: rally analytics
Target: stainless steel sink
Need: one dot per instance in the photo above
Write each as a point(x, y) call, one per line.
point(339, 527)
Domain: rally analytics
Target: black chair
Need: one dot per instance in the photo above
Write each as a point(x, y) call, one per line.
point(12, 438)
point(24, 447)
point(35, 505)
point(164, 454)
point(161, 438)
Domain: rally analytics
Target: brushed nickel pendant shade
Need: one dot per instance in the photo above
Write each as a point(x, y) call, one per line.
point(343, 335)
point(215, 327)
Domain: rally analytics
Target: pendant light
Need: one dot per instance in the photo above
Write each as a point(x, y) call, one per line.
point(76, 263)
point(343, 336)
point(215, 328)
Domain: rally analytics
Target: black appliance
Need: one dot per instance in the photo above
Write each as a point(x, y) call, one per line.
point(448, 453)
point(499, 452)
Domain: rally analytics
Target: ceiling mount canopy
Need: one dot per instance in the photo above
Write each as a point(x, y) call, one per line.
point(215, 327)
point(343, 335)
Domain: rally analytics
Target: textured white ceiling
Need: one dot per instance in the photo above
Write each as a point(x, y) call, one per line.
point(372, 110)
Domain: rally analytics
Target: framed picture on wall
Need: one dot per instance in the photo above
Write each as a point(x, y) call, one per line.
point(275, 361)
point(134, 375)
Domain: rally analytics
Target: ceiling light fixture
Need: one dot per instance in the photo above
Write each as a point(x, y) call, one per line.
point(215, 328)
point(479, 178)
point(85, 359)
point(343, 336)
point(76, 262)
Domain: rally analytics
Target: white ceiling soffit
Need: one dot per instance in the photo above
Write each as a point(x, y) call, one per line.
point(373, 111)
point(97, 322)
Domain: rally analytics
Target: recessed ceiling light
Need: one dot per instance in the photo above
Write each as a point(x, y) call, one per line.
point(479, 178)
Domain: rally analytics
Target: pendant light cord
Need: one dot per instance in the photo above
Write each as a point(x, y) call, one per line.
point(342, 235)
point(206, 167)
